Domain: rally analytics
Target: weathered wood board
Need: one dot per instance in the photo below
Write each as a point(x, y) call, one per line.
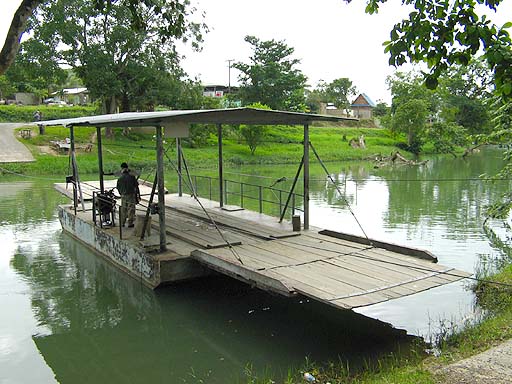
point(335, 273)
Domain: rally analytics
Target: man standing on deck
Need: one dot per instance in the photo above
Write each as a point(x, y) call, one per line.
point(128, 188)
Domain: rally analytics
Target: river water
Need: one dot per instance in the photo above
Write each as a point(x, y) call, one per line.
point(70, 317)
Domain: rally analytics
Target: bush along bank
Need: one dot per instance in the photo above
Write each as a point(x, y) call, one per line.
point(23, 114)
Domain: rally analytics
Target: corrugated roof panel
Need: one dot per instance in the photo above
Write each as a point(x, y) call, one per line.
point(207, 116)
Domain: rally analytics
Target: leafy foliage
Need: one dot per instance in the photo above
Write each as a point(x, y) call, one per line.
point(381, 109)
point(124, 51)
point(254, 134)
point(502, 120)
point(464, 92)
point(271, 77)
point(445, 137)
point(338, 92)
point(444, 33)
point(17, 113)
point(410, 118)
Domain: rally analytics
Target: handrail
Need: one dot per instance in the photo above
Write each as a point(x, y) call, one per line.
point(243, 191)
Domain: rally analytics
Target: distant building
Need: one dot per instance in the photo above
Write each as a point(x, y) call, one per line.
point(362, 106)
point(75, 96)
point(217, 90)
point(26, 98)
point(330, 109)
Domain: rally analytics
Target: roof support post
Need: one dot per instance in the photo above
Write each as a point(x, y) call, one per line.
point(100, 159)
point(180, 179)
point(306, 176)
point(221, 173)
point(161, 186)
point(73, 168)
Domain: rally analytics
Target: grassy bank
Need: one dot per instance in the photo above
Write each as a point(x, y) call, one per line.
point(282, 145)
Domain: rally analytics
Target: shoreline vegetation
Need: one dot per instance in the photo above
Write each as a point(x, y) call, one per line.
point(282, 145)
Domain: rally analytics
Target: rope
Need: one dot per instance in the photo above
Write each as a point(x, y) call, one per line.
point(340, 193)
point(28, 176)
point(194, 195)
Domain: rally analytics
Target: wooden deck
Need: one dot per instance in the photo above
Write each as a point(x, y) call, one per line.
point(342, 271)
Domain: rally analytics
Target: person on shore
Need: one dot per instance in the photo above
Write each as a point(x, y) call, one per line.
point(38, 116)
point(128, 188)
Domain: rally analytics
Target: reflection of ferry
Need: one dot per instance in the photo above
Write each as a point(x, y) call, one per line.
point(105, 328)
point(341, 270)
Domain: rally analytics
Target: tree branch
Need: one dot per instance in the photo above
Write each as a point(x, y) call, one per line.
point(12, 40)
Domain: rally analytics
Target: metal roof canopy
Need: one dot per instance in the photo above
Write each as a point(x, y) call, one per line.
point(218, 117)
point(205, 116)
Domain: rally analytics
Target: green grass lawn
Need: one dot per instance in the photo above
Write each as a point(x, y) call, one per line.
point(283, 145)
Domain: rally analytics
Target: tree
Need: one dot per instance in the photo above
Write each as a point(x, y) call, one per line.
point(444, 33)
point(118, 63)
point(35, 70)
point(464, 92)
point(446, 136)
point(254, 134)
point(271, 78)
point(411, 118)
point(338, 92)
point(6, 87)
point(173, 15)
point(381, 109)
point(406, 86)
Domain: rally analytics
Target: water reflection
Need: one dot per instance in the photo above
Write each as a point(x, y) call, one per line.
point(72, 317)
point(89, 322)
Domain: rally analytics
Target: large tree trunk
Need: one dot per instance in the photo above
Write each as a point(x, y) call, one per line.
point(12, 40)
point(109, 107)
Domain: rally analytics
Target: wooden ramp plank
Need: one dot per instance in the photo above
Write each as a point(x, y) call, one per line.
point(230, 221)
point(199, 233)
point(340, 281)
point(249, 275)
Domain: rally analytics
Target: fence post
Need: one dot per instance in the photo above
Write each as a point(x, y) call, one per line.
point(242, 195)
point(260, 198)
point(280, 202)
point(293, 204)
point(210, 187)
point(226, 192)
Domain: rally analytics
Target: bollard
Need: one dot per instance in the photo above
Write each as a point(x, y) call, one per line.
point(296, 223)
point(139, 223)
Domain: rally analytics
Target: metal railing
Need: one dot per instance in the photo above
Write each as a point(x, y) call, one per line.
point(246, 195)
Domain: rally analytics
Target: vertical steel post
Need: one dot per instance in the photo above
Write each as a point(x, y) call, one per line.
point(242, 195)
point(100, 158)
point(306, 176)
point(178, 152)
point(226, 192)
point(161, 186)
point(71, 152)
point(221, 176)
point(260, 198)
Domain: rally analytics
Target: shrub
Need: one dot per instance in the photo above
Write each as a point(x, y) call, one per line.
point(22, 114)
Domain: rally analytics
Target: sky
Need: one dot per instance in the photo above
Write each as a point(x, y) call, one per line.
point(331, 38)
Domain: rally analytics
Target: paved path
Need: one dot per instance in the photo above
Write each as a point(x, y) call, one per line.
point(493, 366)
point(11, 150)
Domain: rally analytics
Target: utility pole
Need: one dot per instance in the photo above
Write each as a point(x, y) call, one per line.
point(229, 74)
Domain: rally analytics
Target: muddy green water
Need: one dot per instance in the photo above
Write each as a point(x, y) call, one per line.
point(67, 316)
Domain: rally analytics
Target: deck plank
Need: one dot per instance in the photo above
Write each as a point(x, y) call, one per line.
point(224, 219)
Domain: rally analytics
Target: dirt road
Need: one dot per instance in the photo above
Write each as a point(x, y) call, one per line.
point(493, 366)
point(11, 150)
